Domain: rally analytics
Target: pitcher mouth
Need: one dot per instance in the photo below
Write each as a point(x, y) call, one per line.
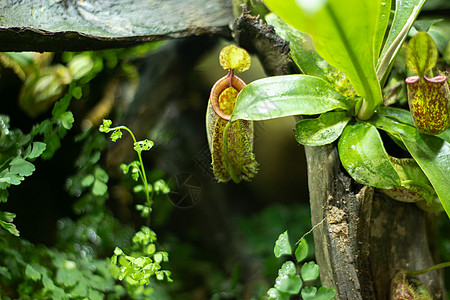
point(229, 80)
point(436, 79)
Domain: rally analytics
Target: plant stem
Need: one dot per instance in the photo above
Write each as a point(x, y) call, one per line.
point(142, 171)
point(423, 271)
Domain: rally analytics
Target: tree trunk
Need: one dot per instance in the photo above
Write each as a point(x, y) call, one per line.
point(362, 237)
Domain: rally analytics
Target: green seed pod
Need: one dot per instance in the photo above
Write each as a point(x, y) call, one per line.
point(429, 103)
point(231, 144)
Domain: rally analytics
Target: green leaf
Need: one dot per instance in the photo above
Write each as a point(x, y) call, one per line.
point(406, 12)
point(5, 221)
point(325, 293)
point(301, 48)
point(282, 245)
point(11, 178)
point(425, 24)
point(158, 257)
point(422, 54)
point(363, 155)
point(48, 283)
point(161, 186)
point(398, 114)
point(77, 92)
point(67, 120)
point(38, 149)
point(287, 280)
point(4, 196)
point(273, 293)
point(302, 250)
point(32, 273)
point(118, 251)
point(117, 134)
point(61, 106)
point(7, 216)
point(344, 35)
point(105, 126)
point(21, 167)
point(68, 278)
point(144, 145)
point(87, 180)
point(384, 13)
point(10, 227)
point(309, 293)
point(101, 174)
point(282, 96)
point(287, 269)
point(99, 188)
point(431, 153)
point(322, 130)
point(310, 271)
point(95, 295)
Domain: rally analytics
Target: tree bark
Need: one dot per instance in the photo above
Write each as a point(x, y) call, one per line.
point(362, 237)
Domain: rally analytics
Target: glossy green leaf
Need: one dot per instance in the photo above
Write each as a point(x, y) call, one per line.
point(325, 293)
point(398, 114)
point(405, 117)
point(5, 221)
point(77, 92)
point(310, 271)
point(405, 13)
point(67, 120)
point(309, 293)
point(38, 148)
point(363, 155)
point(101, 174)
point(275, 294)
point(21, 167)
point(384, 13)
point(344, 35)
point(99, 188)
point(422, 54)
point(10, 227)
point(301, 48)
point(415, 184)
point(282, 96)
point(302, 250)
point(322, 130)
point(425, 24)
point(431, 153)
point(287, 280)
point(32, 273)
point(440, 32)
point(87, 180)
point(282, 245)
